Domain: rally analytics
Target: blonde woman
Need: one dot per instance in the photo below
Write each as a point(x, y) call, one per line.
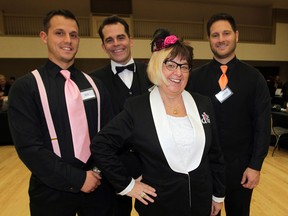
point(173, 132)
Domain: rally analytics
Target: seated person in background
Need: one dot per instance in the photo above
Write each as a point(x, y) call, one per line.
point(174, 132)
point(277, 82)
point(285, 93)
point(4, 91)
point(4, 86)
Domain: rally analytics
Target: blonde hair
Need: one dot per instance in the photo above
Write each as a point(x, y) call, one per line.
point(154, 69)
point(162, 51)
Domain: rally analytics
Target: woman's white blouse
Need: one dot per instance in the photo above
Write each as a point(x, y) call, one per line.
point(184, 137)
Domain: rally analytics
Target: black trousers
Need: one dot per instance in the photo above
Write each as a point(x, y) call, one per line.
point(133, 165)
point(123, 206)
point(45, 201)
point(237, 202)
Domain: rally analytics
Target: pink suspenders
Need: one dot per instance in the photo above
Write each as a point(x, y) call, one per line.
point(47, 113)
point(98, 98)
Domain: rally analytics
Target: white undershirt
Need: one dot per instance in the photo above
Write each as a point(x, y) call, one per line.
point(126, 76)
point(184, 137)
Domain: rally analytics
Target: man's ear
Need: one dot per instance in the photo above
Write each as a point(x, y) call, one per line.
point(237, 36)
point(103, 47)
point(131, 42)
point(43, 36)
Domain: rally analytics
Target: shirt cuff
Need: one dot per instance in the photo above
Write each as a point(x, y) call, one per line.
point(218, 199)
point(128, 188)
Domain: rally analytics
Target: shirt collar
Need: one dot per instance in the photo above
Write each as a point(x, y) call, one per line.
point(114, 64)
point(54, 69)
point(231, 64)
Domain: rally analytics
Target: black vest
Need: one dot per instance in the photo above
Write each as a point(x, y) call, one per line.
point(123, 92)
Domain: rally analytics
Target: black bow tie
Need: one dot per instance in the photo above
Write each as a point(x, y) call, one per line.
point(130, 67)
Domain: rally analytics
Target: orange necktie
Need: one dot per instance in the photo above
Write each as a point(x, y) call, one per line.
point(223, 80)
point(77, 118)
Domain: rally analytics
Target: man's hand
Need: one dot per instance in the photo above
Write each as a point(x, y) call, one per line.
point(216, 207)
point(92, 181)
point(250, 178)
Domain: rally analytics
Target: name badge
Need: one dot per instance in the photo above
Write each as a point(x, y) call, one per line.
point(87, 94)
point(224, 94)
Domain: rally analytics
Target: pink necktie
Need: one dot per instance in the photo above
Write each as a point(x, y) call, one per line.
point(77, 118)
point(223, 80)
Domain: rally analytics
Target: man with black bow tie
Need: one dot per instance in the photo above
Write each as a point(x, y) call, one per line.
point(123, 78)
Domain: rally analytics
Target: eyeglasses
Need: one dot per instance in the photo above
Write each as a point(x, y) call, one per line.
point(172, 66)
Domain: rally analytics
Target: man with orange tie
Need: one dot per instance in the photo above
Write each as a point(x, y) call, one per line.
point(242, 105)
point(53, 114)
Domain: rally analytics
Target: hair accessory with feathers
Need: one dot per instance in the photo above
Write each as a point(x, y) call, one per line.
point(162, 39)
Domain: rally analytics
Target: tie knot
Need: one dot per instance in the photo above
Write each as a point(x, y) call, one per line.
point(65, 73)
point(130, 67)
point(224, 68)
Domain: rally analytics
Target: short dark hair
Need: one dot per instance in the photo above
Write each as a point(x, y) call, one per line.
point(221, 16)
point(179, 47)
point(60, 12)
point(184, 50)
point(114, 19)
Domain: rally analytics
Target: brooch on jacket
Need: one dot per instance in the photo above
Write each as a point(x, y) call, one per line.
point(205, 118)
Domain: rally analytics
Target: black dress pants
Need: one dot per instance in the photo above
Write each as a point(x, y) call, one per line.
point(45, 201)
point(123, 206)
point(237, 202)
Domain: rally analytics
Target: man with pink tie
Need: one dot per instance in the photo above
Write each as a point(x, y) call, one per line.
point(63, 182)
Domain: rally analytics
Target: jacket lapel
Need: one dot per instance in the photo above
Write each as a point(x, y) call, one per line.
point(165, 134)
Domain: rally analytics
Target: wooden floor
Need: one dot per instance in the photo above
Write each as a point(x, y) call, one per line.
point(269, 198)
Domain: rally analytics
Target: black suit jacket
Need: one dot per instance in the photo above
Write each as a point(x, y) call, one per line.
point(119, 92)
point(177, 193)
point(119, 95)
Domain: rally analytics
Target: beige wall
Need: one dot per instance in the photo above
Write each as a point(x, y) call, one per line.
point(150, 9)
point(188, 11)
point(29, 47)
